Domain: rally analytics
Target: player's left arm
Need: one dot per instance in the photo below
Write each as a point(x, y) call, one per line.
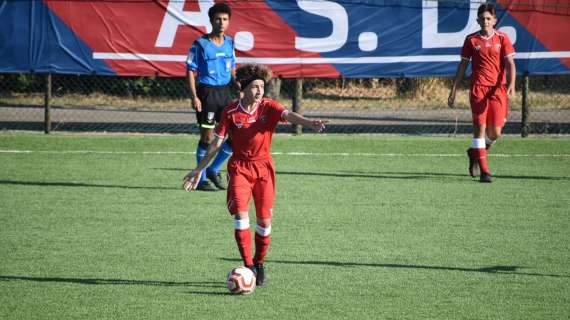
point(511, 75)
point(295, 118)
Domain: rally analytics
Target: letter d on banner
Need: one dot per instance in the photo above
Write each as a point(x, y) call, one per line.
point(431, 38)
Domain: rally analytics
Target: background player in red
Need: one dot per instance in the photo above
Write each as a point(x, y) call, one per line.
point(491, 53)
point(250, 123)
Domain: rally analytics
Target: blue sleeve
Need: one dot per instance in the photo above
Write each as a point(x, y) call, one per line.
point(193, 55)
point(233, 55)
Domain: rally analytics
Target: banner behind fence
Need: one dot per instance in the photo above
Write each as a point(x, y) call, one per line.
point(369, 66)
point(296, 38)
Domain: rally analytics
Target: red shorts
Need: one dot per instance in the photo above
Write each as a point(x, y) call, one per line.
point(247, 178)
point(489, 105)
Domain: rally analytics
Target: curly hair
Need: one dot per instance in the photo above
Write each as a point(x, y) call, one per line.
point(247, 73)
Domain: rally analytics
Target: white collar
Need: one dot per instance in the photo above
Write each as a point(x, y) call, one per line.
point(487, 38)
point(244, 110)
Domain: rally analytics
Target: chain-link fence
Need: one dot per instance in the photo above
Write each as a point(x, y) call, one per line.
point(386, 105)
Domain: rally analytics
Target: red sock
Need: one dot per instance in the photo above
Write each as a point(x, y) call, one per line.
point(243, 239)
point(261, 247)
point(481, 155)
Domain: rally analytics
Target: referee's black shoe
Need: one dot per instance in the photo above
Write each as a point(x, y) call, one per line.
point(217, 179)
point(206, 186)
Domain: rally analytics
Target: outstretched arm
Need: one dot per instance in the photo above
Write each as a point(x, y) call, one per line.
point(192, 178)
point(295, 118)
point(458, 76)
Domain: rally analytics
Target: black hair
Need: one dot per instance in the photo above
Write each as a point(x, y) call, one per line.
point(219, 8)
point(487, 7)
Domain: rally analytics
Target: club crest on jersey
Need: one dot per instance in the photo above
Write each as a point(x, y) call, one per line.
point(477, 47)
point(497, 47)
point(239, 125)
point(263, 119)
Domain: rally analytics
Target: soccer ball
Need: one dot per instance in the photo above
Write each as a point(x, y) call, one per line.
point(241, 280)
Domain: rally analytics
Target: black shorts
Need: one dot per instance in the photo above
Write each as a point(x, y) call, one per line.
point(214, 99)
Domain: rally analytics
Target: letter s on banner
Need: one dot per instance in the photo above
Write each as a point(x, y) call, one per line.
point(339, 18)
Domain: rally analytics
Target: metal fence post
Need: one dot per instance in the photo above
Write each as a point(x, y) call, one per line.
point(297, 98)
point(525, 127)
point(47, 105)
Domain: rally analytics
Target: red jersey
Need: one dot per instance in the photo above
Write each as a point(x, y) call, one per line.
point(251, 132)
point(488, 56)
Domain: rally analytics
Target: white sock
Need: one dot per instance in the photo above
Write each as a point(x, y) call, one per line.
point(478, 143)
point(264, 232)
point(242, 224)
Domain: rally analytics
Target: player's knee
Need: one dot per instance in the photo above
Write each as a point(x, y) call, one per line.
point(206, 135)
point(494, 133)
point(494, 136)
point(263, 231)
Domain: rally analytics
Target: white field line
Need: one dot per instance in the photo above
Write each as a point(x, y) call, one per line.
point(317, 154)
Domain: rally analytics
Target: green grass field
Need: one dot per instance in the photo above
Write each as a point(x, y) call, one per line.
point(365, 227)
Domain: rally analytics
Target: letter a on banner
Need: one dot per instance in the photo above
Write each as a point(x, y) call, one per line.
point(174, 16)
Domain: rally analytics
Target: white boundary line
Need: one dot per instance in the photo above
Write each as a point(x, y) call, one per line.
point(344, 60)
point(317, 154)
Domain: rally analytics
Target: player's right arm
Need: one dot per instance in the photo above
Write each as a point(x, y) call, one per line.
point(466, 54)
point(458, 76)
point(192, 178)
point(196, 103)
point(192, 63)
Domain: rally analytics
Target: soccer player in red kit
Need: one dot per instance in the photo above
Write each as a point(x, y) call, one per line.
point(250, 123)
point(491, 53)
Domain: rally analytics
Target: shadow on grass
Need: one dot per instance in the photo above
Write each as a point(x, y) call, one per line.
point(500, 176)
point(97, 281)
point(105, 282)
point(380, 175)
point(79, 184)
point(512, 270)
point(204, 293)
point(414, 175)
